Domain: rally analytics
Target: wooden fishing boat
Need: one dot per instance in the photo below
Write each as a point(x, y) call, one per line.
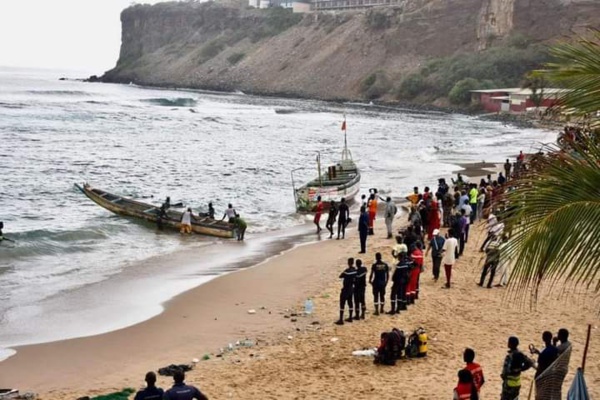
point(341, 181)
point(137, 209)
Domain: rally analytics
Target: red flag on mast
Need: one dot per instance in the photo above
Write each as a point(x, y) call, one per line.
point(344, 125)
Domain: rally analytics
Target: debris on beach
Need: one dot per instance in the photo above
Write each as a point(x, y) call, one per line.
point(252, 311)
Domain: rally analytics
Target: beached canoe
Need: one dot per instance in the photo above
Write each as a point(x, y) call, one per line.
point(340, 181)
point(137, 209)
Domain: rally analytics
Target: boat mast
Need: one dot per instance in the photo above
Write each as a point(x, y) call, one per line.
point(319, 167)
point(346, 154)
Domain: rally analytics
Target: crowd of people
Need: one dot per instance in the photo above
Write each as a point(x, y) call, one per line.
point(429, 213)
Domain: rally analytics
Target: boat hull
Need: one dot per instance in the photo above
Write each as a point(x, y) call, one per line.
point(148, 212)
point(306, 196)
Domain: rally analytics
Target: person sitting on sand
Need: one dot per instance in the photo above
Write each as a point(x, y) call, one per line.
point(474, 368)
point(150, 392)
point(466, 389)
point(379, 277)
point(347, 293)
point(181, 391)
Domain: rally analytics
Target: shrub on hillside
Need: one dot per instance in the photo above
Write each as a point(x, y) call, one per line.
point(461, 92)
point(412, 86)
point(235, 58)
point(212, 48)
point(377, 20)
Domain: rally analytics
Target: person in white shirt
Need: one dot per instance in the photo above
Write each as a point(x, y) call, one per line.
point(186, 221)
point(449, 257)
point(230, 213)
point(390, 212)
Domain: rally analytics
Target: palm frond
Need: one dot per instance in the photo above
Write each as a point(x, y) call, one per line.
point(577, 68)
point(555, 222)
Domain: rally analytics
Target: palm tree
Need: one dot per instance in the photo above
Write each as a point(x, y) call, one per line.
point(554, 213)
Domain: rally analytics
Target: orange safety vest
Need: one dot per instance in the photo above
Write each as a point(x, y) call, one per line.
point(463, 390)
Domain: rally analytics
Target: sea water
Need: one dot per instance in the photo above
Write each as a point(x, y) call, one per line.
point(76, 269)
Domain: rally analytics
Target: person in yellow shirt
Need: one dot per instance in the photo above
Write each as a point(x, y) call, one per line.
point(473, 194)
point(414, 196)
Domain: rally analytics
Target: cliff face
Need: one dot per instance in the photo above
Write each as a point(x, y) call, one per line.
point(327, 56)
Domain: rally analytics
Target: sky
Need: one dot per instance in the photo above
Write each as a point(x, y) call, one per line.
point(82, 35)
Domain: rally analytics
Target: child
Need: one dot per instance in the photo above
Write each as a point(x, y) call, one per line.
point(474, 368)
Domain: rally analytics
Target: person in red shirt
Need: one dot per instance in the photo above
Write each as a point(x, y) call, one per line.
point(412, 290)
point(474, 368)
point(372, 205)
point(318, 212)
point(465, 390)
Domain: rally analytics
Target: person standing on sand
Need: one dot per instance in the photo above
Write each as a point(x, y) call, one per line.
point(447, 205)
point(514, 364)
point(318, 212)
point(473, 194)
point(474, 368)
point(433, 218)
point(462, 230)
point(449, 258)
point(414, 196)
point(413, 281)
point(363, 229)
point(545, 357)
point(331, 218)
point(492, 260)
point(379, 277)
point(390, 212)
point(343, 218)
point(372, 206)
point(347, 293)
point(501, 179)
point(436, 246)
point(181, 391)
point(507, 168)
point(150, 392)
point(360, 286)
point(399, 284)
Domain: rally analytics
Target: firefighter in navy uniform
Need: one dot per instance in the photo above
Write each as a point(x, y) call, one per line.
point(348, 278)
point(379, 277)
point(399, 284)
point(360, 286)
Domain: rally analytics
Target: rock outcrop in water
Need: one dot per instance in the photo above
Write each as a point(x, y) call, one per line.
point(326, 56)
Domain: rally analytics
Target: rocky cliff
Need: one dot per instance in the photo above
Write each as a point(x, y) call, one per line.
point(326, 55)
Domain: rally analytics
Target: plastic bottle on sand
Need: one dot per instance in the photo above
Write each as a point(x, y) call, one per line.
point(308, 306)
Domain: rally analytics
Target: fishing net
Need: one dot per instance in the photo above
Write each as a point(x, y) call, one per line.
point(548, 386)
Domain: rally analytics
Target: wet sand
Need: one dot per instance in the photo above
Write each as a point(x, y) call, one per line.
point(316, 362)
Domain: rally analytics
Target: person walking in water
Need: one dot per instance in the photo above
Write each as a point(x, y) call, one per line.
point(347, 293)
point(186, 221)
point(379, 277)
point(363, 229)
point(318, 212)
point(331, 218)
point(230, 213)
point(514, 364)
point(240, 227)
point(360, 286)
point(343, 218)
point(390, 212)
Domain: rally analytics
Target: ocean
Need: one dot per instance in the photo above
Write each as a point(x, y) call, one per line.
point(78, 270)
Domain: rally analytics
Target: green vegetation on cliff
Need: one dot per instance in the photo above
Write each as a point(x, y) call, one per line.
point(453, 77)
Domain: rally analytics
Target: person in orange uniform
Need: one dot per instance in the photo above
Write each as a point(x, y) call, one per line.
point(372, 205)
point(474, 368)
point(412, 291)
point(465, 390)
point(318, 212)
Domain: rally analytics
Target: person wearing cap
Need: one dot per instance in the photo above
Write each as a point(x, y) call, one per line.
point(436, 246)
point(150, 392)
point(390, 212)
point(181, 391)
point(515, 363)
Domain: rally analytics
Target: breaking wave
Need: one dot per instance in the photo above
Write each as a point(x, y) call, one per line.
point(172, 102)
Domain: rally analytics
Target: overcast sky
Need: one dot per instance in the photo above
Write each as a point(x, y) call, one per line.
point(69, 34)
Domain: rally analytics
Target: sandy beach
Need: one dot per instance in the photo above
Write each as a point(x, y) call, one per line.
point(308, 356)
